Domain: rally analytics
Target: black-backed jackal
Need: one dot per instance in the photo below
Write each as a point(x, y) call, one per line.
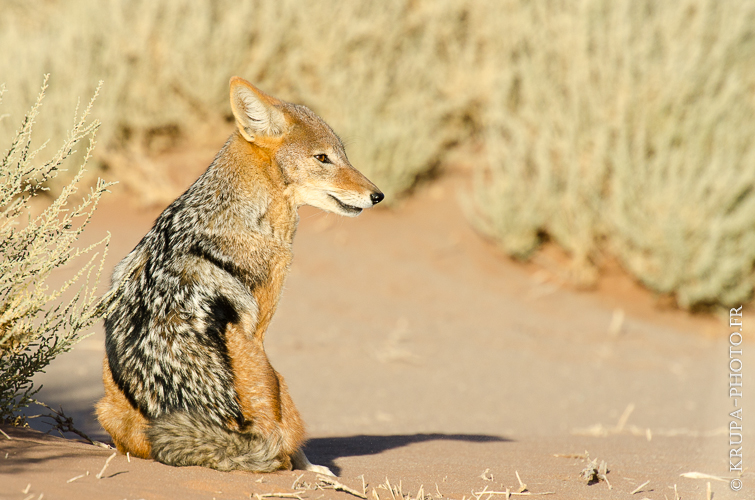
point(187, 381)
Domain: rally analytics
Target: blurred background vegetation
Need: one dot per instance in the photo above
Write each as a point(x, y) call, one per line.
point(618, 129)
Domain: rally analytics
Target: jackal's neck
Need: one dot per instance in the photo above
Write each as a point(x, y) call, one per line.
point(251, 192)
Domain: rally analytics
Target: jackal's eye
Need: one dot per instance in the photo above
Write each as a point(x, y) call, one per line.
point(323, 158)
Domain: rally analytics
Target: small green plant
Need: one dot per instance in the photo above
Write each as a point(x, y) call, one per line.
point(37, 321)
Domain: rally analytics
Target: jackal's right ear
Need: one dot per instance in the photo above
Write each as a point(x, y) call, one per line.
point(255, 111)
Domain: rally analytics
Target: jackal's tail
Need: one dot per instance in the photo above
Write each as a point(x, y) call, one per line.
point(181, 438)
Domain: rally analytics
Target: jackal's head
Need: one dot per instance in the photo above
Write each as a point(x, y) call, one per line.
point(310, 156)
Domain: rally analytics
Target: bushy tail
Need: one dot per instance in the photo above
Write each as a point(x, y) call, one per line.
point(181, 439)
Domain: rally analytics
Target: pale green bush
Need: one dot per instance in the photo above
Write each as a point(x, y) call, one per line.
point(36, 322)
point(606, 126)
point(625, 128)
point(385, 74)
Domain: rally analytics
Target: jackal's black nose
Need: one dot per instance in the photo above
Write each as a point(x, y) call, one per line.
point(377, 197)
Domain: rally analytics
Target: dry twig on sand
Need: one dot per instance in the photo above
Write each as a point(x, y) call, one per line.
point(332, 484)
point(570, 455)
point(63, 423)
point(77, 477)
point(522, 486)
point(364, 486)
point(260, 496)
point(297, 486)
point(508, 493)
point(702, 475)
point(107, 462)
point(639, 488)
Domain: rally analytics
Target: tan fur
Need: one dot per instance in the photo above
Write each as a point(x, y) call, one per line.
point(282, 156)
point(282, 215)
point(122, 421)
point(262, 392)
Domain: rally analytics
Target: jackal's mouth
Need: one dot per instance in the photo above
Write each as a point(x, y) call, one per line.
point(346, 208)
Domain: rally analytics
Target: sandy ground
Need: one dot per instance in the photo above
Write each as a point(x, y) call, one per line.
point(420, 356)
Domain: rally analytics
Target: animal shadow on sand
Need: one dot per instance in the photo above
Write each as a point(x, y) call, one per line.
point(324, 451)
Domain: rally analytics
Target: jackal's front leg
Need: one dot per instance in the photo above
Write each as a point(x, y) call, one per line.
point(299, 461)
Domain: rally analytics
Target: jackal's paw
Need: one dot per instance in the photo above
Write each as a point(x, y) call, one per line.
point(299, 461)
point(320, 469)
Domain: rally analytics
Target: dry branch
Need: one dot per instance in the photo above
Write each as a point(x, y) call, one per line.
point(107, 462)
point(514, 493)
point(260, 496)
point(639, 488)
point(330, 483)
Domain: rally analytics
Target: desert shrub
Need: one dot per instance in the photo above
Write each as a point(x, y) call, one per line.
point(36, 322)
point(386, 75)
point(625, 128)
point(607, 127)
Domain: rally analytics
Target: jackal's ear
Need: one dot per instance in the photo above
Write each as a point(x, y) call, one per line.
point(255, 111)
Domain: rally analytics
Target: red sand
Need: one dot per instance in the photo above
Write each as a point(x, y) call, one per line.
point(417, 352)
